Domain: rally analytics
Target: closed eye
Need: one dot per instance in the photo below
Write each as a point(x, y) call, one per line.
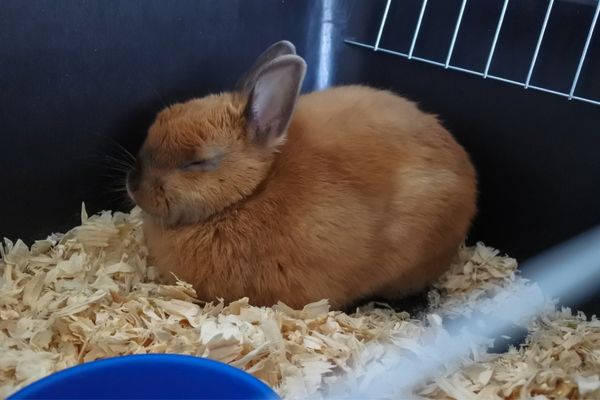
point(208, 164)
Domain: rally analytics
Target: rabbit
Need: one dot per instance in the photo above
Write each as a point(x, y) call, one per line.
point(342, 194)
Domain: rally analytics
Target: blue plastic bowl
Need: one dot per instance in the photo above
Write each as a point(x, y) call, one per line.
point(149, 376)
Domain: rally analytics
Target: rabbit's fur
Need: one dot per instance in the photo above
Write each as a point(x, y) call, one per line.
point(351, 193)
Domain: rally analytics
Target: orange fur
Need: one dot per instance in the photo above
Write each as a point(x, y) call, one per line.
point(366, 196)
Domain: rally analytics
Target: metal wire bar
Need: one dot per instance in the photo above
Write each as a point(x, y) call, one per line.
point(472, 72)
point(585, 50)
point(382, 24)
point(495, 41)
point(586, 100)
point(539, 43)
point(455, 35)
point(416, 34)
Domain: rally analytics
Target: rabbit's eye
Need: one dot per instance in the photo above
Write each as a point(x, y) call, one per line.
point(208, 164)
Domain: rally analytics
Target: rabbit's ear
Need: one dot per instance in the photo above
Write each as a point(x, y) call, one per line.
point(281, 48)
point(272, 99)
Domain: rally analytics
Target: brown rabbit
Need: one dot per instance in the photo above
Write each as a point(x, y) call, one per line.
point(342, 194)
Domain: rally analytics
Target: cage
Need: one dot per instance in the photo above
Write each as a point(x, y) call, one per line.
point(516, 82)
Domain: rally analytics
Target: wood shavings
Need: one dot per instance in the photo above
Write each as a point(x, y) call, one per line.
point(90, 294)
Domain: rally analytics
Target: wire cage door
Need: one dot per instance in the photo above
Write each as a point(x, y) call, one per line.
point(550, 13)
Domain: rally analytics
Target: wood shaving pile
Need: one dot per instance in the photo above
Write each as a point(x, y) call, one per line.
point(90, 294)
